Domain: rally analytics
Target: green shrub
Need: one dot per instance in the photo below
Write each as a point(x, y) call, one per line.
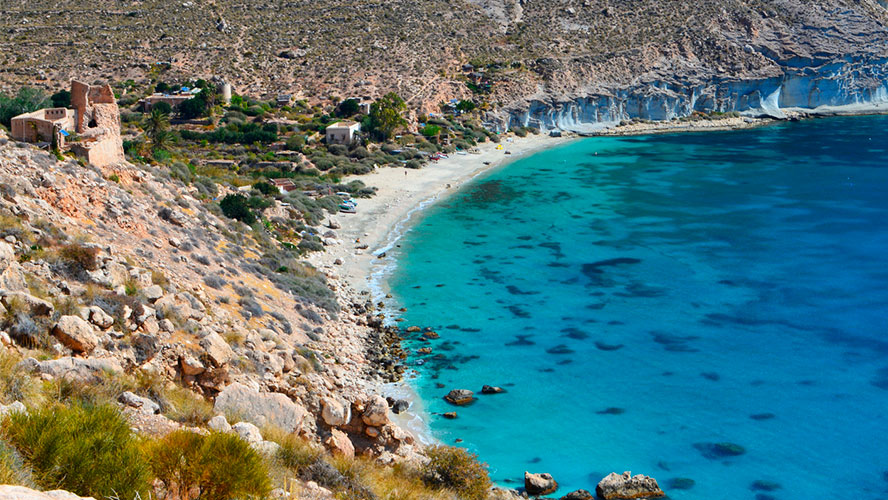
point(458, 470)
point(221, 466)
point(88, 450)
point(295, 453)
point(185, 406)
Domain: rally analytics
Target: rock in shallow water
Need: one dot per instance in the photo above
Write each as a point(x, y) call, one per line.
point(460, 397)
point(539, 484)
point(578, 495)
point(626, 486)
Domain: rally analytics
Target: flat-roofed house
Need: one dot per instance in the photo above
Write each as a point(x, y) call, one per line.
point(342, 132)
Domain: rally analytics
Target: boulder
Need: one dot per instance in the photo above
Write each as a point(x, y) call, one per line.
point(153, 293)
point(400, 406)
point(71, 368)
point(268, 448)
point(10, 492)
point(100, 318)
point(261, 408)
point(35, 306)
point(578, 495)
point(144, 405)
point(216, 349)
point(335, 413)
point(248, 432)
point(492, 389)
point(75, 333)
point(460, 397)
point(539, 484)
point(340, 444)
point(627, 486)
point(219, 424)
point(7, 256)
point(14, 407)
point(190, 365)
point(376, 411)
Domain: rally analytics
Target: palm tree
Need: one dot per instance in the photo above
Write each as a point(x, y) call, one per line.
point(162, 140)
point(155, 123)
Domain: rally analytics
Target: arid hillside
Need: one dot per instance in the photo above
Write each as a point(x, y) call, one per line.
point(319, 49)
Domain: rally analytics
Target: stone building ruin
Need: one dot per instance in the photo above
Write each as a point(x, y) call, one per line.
point(91, 130)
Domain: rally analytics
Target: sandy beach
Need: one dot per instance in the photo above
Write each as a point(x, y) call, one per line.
point(401, 194)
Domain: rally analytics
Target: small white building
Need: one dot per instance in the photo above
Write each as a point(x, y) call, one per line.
point(342, 132)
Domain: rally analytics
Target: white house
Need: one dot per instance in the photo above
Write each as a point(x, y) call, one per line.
point(342, 132)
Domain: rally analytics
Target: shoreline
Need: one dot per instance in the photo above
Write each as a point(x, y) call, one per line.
point(401, 195)
point(401, 199)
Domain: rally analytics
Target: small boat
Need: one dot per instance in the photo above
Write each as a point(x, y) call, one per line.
point(348, 209)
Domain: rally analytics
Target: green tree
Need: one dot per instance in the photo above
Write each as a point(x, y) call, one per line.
point(348, 107)
point(385, 115)
point(163, 106)
point(26, 100)
point(156, 125)
point(236, 206)
point(61, 99)
point(465, 106)
point(162, 140)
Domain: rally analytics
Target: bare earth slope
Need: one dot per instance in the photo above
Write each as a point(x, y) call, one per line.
point(549, 52)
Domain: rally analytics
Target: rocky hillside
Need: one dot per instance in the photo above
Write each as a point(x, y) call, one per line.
point(118, 286)
point(533, 54)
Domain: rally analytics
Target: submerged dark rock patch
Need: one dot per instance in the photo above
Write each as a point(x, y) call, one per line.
point(575, 333)
point(593, 269)
point(518, 312)
point(764, 485)
point(613, 410)
point(718, 451)
point(514, 290)
point(521, 341)
point(608, 347)
point(762, 416)
point(560, 349)
point(680, 483)
point(675, 343)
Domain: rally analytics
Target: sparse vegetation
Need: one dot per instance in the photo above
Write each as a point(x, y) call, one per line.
point(89, 450)
point(456, 469)
point(220, 466)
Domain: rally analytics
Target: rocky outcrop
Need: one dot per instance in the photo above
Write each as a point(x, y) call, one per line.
point(71, 368)
point(539, 484)
point(31, 304)
point(627, 486)
point(261, 408)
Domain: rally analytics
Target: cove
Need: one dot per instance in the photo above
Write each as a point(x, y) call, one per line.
point(707, 308)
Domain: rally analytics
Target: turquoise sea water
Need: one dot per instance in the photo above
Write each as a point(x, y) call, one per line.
point(645, 298)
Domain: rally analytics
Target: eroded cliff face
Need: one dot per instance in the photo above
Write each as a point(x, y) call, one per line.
point(789, 54)
point(841, 83)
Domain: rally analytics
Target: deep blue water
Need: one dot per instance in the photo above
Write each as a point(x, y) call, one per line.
point(643, 298)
